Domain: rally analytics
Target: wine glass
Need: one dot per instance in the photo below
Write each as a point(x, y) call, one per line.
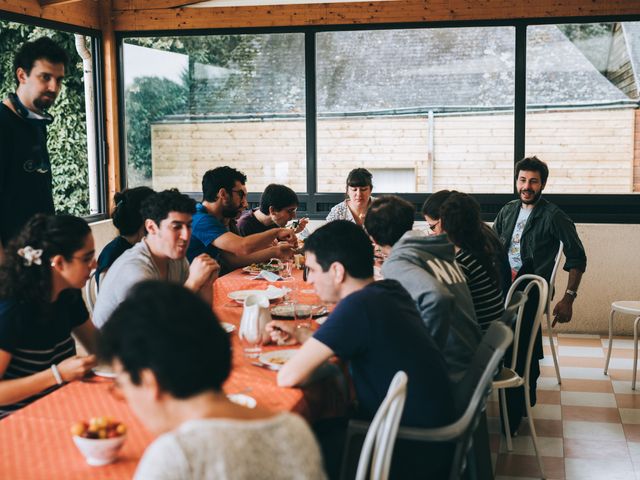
point(302, 314)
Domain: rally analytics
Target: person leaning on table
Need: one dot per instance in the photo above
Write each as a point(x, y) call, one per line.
point(45, 267)
point(376, 328)
point(171, 357)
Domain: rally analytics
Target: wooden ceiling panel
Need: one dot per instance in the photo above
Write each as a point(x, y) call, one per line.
point(82, 13)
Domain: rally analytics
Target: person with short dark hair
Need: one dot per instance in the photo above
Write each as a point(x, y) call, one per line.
point(25, 177)
point(358, 193)
point(128, 220)
point(531, 228)
point(45, 267)
point(160, 255)
point(426, 267)
point(224, 197)
point(202, 434)
point(278, 206)
point(375, 327)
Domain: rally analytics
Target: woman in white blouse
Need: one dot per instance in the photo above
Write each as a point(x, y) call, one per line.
point(355, 206)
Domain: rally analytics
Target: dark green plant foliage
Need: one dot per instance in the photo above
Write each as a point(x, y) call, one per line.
point(67, 135)
point(149, 99)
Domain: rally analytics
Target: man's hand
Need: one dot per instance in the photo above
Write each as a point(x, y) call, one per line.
point(202, 271)
point(302, 224)
point(283, 251)
point(283, 332)
point(287, 235)
point(563, 310)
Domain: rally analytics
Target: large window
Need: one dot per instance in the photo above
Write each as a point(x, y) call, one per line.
point(195, 103)
point(73, 159)
point(423, 109)
point(426, 109)
point(582, 105)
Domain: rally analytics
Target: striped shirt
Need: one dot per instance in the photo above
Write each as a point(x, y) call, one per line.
point(487, 296)
point(36, 343)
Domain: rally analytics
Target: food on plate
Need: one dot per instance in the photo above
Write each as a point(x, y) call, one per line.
point(278, 360)
point(99, 428)
point(273, 265)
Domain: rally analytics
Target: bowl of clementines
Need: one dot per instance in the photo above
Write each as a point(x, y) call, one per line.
point(99, 439)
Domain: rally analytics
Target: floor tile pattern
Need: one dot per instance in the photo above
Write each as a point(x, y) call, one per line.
point(588, 427)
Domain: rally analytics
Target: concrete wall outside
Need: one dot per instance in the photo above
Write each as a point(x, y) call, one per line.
point(613, 273)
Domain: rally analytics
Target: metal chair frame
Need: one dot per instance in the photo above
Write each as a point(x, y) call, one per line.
point(513, 379)
point(552, 282)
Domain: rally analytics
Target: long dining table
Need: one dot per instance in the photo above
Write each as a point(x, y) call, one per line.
point(36, 443)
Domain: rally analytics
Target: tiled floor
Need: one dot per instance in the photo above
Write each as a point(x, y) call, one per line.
point(588, 427)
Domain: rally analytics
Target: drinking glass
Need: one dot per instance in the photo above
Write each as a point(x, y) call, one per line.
point(285, 273)
point(302, 314)
point(251, 335)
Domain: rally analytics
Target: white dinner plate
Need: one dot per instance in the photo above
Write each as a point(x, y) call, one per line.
point(270, 293)
point(277, 358)
point(104, 371)
point(243, 400)
point(228, 327)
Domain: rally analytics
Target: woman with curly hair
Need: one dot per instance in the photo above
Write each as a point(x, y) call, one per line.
point(40, 305)
point(478, 250)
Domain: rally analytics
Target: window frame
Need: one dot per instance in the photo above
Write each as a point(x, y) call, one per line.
point(582, 208)
point(98, 91)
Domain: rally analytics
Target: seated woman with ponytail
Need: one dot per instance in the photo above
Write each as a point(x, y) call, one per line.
point(40, 305)
point(127, 219)
point(478, 250)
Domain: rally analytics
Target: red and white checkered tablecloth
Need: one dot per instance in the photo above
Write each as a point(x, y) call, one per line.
point(35, 442)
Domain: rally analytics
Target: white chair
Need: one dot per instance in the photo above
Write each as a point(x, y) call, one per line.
point(547, 311)
point(508, 377)
point(630, 308)
point(377, 449)
point(471, 397)
point(91, 292)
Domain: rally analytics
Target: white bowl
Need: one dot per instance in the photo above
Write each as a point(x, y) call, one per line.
point(99, 451)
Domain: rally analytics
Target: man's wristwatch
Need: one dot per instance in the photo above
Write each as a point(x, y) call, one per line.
point(571, 293)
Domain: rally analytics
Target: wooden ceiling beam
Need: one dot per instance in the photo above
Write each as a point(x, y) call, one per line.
point(46, 3)
point(82, 13)
point(153, 4)
point(400, 11)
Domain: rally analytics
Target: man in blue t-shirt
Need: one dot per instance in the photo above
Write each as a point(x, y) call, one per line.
point(375, 327)
point(224, 197)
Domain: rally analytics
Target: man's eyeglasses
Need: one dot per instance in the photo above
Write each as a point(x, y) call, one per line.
point(432, 226)
point(241, 193)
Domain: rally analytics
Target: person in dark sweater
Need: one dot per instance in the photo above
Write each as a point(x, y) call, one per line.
point(278, 206)
point(128, 220)
point(377, 329)
point(25, 169)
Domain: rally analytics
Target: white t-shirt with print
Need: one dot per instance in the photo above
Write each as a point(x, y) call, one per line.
point(514, 248)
